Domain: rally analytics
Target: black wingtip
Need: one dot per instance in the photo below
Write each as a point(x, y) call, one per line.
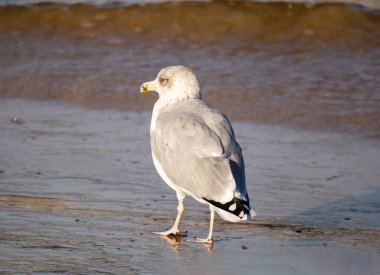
point(236, 206)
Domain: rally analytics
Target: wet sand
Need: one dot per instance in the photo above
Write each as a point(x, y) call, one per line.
point(303, 65)
point(79, 195)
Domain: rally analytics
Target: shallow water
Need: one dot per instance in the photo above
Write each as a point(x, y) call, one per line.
point(309, 66)
point(79, 194)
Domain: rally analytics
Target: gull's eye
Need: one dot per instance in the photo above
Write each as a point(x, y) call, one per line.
point(164, 81)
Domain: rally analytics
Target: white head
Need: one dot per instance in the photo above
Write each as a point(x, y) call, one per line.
point(174, 84)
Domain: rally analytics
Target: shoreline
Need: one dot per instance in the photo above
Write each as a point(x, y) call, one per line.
point(351, 134)
point(272, 62)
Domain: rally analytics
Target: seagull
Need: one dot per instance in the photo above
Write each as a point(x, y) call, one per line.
point(194, 149)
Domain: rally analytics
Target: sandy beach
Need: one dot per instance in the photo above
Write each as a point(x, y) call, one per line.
point(79, 195)
point(299, 82)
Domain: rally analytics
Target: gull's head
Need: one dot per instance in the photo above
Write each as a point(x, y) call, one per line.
point(174, 84)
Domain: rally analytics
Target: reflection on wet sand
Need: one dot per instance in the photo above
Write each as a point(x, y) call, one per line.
point(277, 226)
point(19, 201)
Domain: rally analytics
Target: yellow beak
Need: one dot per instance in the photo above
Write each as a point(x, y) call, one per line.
point(147, 87)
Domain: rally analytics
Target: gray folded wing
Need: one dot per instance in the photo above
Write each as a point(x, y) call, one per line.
point(196, 148)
